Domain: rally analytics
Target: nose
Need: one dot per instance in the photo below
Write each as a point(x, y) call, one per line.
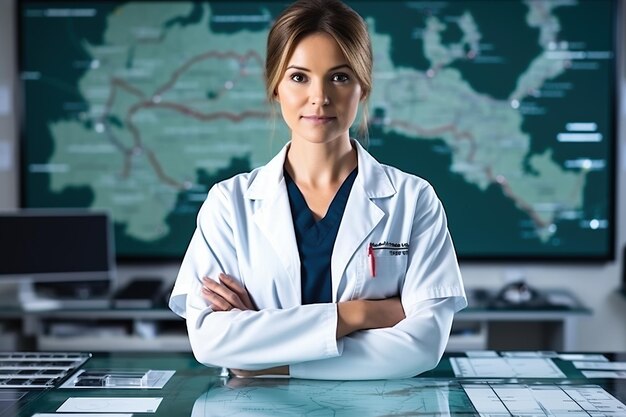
point(318, 93)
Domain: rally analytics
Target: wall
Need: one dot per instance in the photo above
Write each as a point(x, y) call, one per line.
point(596, 285)
point(8, 174)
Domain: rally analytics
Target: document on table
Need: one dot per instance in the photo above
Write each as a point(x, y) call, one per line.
point(605, 374)
point(542, 400)
point(81, 415)
point(110, 405)
point(594, 357)
point(482, 354)
point(607, 366)
point(530, 354)
point(118, 379)
point(505, 368)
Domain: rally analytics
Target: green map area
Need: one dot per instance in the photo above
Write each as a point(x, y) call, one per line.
point(505, 107)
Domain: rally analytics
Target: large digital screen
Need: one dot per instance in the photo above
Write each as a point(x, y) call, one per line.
point(506, 107)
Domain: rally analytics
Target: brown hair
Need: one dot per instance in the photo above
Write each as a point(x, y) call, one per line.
point(332, 17)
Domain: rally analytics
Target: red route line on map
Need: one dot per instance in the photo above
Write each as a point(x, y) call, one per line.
point(506, 189)
point(234, 117)
point(218, 55)
point(154, 162)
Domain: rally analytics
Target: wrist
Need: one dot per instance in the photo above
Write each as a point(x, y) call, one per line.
point(367, 318)
point(351, 316)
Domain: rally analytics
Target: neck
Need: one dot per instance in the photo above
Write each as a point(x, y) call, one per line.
point(320, 164)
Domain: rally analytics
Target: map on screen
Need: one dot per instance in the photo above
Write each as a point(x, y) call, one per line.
point(506, 107)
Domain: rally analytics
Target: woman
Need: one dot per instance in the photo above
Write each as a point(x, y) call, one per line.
point(323, 263)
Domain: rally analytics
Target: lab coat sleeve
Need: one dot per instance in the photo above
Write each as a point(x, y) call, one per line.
point(243, 339)
point(432, 292)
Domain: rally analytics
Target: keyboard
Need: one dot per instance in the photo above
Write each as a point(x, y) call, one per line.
point(38, 369)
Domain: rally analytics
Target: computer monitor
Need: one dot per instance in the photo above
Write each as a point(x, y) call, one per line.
point(507, 107)
point(67, 252)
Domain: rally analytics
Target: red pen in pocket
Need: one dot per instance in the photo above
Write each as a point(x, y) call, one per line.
point(372, 258)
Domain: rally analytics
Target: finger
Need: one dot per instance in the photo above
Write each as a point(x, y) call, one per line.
point(236, 287)
point(232, 298)
point(231, 283)
point(216, 301)
point(223, 291)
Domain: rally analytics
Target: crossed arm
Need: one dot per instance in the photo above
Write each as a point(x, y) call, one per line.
point(365, 332)
point(352, 316)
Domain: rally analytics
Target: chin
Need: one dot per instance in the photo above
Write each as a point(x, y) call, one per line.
point(318, 139)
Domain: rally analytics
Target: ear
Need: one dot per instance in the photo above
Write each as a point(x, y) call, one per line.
point(364, 95)
point(276, 96)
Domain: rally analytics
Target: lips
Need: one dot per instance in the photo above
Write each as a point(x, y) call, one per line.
point(319, 119)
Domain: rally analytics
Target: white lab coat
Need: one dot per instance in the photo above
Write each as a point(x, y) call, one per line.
point(245, 229)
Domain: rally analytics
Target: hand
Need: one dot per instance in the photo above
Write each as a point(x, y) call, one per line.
point(368, 314)
point(226, 294)
point(279, 370)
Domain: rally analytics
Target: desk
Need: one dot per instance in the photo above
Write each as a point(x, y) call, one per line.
point(553, 327)
point(199, 391)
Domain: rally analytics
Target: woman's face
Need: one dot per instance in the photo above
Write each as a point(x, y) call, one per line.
point(319, 93)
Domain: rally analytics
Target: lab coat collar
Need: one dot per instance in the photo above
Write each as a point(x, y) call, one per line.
point(371, 177)
point(267, 184)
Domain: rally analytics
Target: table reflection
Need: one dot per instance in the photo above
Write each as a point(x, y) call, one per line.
point(292, 397)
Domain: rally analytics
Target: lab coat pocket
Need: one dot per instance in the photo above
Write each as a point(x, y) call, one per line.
point(386, 275)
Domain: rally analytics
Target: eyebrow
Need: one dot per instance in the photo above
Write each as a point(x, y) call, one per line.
point(308, 70)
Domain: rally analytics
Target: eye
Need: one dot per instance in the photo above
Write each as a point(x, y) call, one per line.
point(340, 78)
point(298, 77)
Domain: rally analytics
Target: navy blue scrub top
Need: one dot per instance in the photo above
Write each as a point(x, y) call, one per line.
point(316, 239)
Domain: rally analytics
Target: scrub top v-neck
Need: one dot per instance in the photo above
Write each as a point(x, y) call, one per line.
point(316, 239)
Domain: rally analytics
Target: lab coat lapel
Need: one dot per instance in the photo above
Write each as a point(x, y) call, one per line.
point(273, 217)
point(360, 218)
point(361, 215)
